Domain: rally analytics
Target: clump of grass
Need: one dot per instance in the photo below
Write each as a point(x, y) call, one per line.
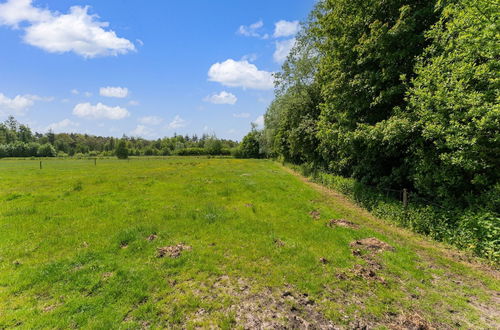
point(78, 186)
point(213, 213)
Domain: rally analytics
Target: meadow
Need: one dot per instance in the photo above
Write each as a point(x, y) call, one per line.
point(187, 242)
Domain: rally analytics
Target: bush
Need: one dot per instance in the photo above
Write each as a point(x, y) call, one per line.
point(122, 151)
point(250, 146)
point(213, 147)
point(47, 150)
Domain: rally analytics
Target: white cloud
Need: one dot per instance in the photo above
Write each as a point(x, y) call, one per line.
point(283, 48)
point(75, 92)
point(119, 92)
point(240, 74)
point(250, 57)
point(151, 120)
point(285, 28)
point(221, 98)
point(259, 122)
point(177, 122)
point(88, 94)
point(20, 103)
point(64, 124)
point(14, 12)
point(100, 110)
point(251, 30)
point(241, 115)
point(133, 103)
point(142, 131)
point(78, 31)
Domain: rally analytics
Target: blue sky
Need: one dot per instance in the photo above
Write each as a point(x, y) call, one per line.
point(143, 68)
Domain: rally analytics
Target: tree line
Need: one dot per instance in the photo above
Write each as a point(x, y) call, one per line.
point(17, 140)
point(395, 93)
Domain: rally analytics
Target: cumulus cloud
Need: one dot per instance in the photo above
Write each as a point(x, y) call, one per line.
point(251, 30)
point(151, 120)
point(240, 74)
point(20, 103)
point(63, 125)
point(221, 98)
point(75, 91)
point(14, 12)
point(283, 48)
point(77, 31)
point(177, 122)
point(119, 92)
point(285, 28)
point(87, 110)
point(259, 122)
point(241, 115)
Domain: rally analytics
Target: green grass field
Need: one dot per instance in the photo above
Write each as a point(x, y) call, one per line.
point(79, 248)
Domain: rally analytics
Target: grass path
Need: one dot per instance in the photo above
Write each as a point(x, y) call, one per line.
point(244, 243)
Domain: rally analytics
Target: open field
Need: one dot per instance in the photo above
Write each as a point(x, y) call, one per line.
point(249, 246)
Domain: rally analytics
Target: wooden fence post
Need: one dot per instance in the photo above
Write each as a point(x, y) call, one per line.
point(95, 161)
point(405, 198)
point(40, 164)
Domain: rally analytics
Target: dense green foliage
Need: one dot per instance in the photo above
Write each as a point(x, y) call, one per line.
point(250, 145)
point(17, 140)
point(399, 94)
point(122, 150)
point(79, 249)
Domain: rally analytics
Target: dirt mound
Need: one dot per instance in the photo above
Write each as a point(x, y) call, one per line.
point(152, 237)
point(173, 251)
point(367, 249)
point(341, 223)
point(372, 244)
point(278, 242)
point(315, 214)
point(411, 322)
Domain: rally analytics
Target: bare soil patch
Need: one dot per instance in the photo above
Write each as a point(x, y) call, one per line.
point(278, 242)
point(267, 308)
point(411, 321)
point(341, 223)
point(367, 249)
point(152, 237)
point(371, 244)
point(173, 251)
point(315, 214)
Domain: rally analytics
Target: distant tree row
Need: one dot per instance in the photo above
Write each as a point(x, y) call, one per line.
point(17, 140)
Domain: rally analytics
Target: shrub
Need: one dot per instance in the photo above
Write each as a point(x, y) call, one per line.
point(47, 150)
point(122, 151)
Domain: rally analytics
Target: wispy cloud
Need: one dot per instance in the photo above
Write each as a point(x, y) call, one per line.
point(118, 92)
point(222, 98)
point(177, 122)
point(285, 28)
